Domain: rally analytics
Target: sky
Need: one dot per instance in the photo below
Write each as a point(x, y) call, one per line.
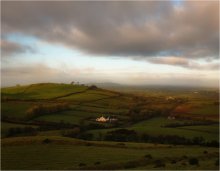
point(132, 42)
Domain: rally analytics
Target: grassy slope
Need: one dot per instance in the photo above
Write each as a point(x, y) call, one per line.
point(94, 103)
point(73, 117)
point(155, 127)
point(15, 109)
point(88, 102)
point(41, 91)
point(66, 153)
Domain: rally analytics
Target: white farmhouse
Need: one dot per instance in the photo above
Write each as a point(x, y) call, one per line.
point(108, 119)
point(101, 119)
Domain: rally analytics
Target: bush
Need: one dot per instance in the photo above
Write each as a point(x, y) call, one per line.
point(82, 164)
point(86, 136)
point(27, 131)
point(88, 144)
point(183, 163)
point(130, 164)
point(46, 141)
point(173, 162)
point(148, 156)
point(74, 133)
point(38, 110)
point(121, 135)
point(159, 163)
point(120, 144)
point(93, 87)
point(205, 152)
point(97, 163)
point(184, 157)
point(193, 161)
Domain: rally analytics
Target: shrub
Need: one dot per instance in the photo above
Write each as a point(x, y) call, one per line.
point(130, 164)
point(193, 161)
point(184, 157)
point(205, 152)
point(46, 141)
point(148, 156)
point(38, 110)
point(173, 162)
point(82, 164)
point(88, 144)
point(71, 133)
point(183, 163)
point(159, 163)
point(93, 87)
point(86, 136)
point(27, 131)
point(120, 144)
point(121, 135)
point(97, 163)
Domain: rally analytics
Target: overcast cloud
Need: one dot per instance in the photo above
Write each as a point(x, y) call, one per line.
point(185, 36)
point(125, 29)
point(9, 48)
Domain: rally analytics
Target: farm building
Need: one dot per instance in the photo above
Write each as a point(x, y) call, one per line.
point(101, 119)
point(170, 98)
point(108, 119)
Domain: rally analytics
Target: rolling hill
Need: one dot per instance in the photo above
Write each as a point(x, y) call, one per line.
point(51, 118)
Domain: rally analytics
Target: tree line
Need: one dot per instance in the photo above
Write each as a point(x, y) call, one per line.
point(44, 109)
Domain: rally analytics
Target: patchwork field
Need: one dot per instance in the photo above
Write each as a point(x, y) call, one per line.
point(53, 126)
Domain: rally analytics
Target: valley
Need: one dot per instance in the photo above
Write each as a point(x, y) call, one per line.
point(152, 129)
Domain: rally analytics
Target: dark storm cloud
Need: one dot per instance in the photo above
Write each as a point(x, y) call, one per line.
point(9, 48)
point(130, 29)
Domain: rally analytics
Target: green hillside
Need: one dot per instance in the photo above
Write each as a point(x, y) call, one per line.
point(67, 153)
point(41, 91)
point(40, 121)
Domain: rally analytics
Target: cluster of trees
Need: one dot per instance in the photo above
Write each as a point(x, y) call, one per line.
point(45, 125)
point(132, 136)
point(92, 87)
point(137, 114)
point(41, 126)
point(172, 139)
point(121, 135)
point(12, 119)
point(44, 109)
point(192, 123)
point(77, 133)
point(27, 131)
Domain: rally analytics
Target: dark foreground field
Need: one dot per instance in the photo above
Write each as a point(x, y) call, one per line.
point(53, 126)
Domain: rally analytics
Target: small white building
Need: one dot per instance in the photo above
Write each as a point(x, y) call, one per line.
point(101, 119)
point(170, 98)
point(108, 119)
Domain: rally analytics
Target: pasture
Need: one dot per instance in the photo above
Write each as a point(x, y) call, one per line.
point(71, 138)
point(61, 155)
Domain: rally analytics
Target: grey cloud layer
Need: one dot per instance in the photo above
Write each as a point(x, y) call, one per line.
point(9, 48)
point(185, 63)
point(120, 28)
